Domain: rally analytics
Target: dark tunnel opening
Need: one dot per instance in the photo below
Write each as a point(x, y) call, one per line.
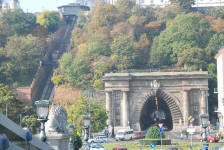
point(148, 113)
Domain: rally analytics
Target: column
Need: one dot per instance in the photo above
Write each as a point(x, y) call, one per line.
point(203, 102)
point(125, 112)
point(108, 107)
point(185, 107)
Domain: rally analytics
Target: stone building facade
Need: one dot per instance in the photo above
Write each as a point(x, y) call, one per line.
point(132, 99)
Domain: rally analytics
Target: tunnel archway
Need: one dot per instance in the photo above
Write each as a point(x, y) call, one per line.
point(166, 106)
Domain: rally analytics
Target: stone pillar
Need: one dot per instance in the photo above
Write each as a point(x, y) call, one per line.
point(125, 112)
point(108, 107)
point(203, 102)
point(185, 107)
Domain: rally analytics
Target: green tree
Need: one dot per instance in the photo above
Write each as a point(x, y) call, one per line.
point(19, 22)
point(193, 58)
point(14, 105)
point(49, 20)
point(153, 133)
point(184, 4)
point(216, 12)
point(82, 20)
point(80, 107)
point(215, 44)
point(30, 119)
point(123, 48)
point(22, 56)
point(125, 6)
point(186, 31)
point(77, 141)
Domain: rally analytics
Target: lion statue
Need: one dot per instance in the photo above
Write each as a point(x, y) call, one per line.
point(57, 120)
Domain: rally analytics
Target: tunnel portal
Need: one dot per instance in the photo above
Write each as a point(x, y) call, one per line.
point(151, 115)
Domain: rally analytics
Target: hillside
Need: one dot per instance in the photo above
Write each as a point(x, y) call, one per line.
point(124, 37)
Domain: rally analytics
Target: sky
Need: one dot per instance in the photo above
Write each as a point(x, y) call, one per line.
point(40, 5)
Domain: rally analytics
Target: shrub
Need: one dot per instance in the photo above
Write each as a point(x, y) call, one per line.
point(153, 133)
point(77, 142)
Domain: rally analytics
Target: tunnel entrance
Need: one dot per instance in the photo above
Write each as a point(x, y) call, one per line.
point(155, 110)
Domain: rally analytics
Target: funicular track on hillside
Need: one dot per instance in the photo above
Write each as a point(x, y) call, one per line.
point(42, 87)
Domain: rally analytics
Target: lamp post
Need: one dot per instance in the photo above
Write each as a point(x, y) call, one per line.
point(42, 109)
point(86, 123)
point(71, 141)
point(204, 124)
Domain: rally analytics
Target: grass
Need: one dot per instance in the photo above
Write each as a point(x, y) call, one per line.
point(183, 145)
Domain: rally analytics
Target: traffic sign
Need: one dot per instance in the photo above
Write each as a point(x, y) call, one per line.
point(152, 145)
point(191, 119)
point(160, 130)
point(160, 125)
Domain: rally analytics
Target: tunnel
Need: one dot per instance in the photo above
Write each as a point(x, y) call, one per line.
point(155, 105)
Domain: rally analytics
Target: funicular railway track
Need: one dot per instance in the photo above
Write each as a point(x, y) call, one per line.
point(42, 87)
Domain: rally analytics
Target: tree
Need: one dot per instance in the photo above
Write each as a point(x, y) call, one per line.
point(186, 31)
point(82, 20)
point(153, 133)
point(77, 141)
point(30, 119)
point(103, 16)
point(215, 44)
point(216, 12)
point(80, 107)
point(193, 58)
point(22, 56)
point(49, 20)
point(123, 48)
point(14, 105)
point(19, 22)
point(125, 6)
point(184, 4)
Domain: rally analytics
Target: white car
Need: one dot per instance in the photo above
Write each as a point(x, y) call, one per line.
point(125, 134)
point(97, 147)
point(98, 139)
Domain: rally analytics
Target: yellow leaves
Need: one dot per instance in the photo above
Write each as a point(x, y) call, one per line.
point(218, 25)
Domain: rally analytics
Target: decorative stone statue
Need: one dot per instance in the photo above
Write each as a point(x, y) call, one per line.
point(57, 134)
point(57, 120)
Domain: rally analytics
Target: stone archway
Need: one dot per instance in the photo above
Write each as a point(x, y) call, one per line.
point(174, 93)
point(166, 105)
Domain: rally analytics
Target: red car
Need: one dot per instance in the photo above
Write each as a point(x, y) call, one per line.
point(138, 135)
point(211, 139)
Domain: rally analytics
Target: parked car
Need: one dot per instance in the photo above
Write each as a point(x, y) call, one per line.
point(125, 134)
point(120, 148)
point(95, 146)
point(98, 139)
point(211, 139)
point(138, 135)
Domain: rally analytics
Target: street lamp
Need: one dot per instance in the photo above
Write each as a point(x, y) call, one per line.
point(42, 109)
point(71, 128)
point(204, 124)
point(86, 123)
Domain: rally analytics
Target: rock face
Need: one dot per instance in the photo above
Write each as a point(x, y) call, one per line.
point(57, 134)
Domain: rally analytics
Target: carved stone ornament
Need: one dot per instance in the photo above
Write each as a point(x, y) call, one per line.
point(57, 120)
point(155, 86)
